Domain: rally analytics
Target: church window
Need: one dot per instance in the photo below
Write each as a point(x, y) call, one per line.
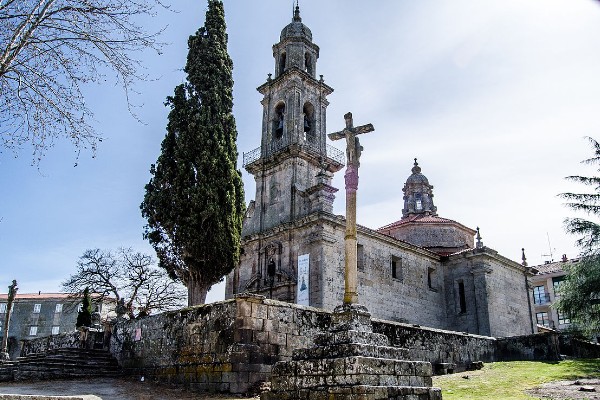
point(360, 257)
point(396, 266)
point(462, 299)
point(542, 318)
point(431, 278)
point(282, 62)
point(278, 121)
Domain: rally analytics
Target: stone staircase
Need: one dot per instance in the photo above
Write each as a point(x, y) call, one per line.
point(65, 364)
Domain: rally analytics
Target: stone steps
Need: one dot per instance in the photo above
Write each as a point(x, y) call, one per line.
point(65, 364)
point(360, 392)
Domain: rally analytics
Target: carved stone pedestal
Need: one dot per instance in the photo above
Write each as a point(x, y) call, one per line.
point(351, 363)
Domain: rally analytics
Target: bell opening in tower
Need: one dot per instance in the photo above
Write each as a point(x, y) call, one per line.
point(308, 67)
point(282, 62)
point(278, 121)
point(309, 123)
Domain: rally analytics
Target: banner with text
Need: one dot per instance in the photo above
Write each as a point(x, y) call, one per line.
point(303, 279)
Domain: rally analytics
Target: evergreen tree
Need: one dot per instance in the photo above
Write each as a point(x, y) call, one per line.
point(194, 203)
point(580, 292)
point(84, 317)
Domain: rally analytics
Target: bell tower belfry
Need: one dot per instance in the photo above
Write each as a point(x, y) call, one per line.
point(294, 165)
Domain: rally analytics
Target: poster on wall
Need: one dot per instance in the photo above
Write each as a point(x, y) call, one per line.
point(303, 281)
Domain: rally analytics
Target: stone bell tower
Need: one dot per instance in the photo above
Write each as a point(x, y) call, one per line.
point(293, 166)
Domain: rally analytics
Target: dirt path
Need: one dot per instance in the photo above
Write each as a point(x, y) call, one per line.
point(107, 389)
point(568, 390)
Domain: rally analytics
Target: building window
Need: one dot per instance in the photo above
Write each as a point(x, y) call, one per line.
point(563, 319)
point(58, 308)
point(462, 299)
point(33, 331)
point(37, 308)
point(542, 318)
point(431, 278)
point(2, 308)
point(540, 296)
point(55, 330)
point(360, 256)
point(556, 282)
point(396, 266)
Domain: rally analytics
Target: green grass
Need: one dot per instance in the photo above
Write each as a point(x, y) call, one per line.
point(508, 380)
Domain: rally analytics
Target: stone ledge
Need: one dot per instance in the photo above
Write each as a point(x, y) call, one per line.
point(42, 397)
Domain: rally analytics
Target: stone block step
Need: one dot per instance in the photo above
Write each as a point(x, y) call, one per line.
point(345, 337)
point(360, 392)
point(349, 350)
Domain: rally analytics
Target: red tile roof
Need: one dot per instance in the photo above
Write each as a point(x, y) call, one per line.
point(552, 267)
point(421, 219)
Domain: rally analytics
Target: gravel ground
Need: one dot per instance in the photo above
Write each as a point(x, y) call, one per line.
point(107, 389)
point(568, 390)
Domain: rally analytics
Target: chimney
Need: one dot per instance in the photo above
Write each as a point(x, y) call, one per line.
point(564, 258)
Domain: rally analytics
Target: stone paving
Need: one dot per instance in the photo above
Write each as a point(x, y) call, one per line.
point(106, 389)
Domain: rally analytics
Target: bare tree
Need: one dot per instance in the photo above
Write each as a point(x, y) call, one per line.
point(128, 275)
point(49, 49)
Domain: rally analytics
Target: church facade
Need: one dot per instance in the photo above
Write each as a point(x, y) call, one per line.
point(422, 269)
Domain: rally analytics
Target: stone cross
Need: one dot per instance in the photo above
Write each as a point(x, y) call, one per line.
point(353, 152)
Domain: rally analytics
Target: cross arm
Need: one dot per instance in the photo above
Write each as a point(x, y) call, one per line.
point(336, 135)
point(364, 129)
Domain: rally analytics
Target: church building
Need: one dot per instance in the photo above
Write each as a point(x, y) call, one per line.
point(422, 269)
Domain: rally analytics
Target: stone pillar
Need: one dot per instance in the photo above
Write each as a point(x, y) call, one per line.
point(350, 263)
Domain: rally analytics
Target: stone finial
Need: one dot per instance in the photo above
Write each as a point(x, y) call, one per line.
point(416, 169)
point(479, 244)
point(297, 17)
point(523, 258)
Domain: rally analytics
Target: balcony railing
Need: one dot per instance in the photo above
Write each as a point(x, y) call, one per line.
point(541, 298)
point(275, 147)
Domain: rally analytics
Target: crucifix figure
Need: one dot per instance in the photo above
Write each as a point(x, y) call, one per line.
point(353, 152)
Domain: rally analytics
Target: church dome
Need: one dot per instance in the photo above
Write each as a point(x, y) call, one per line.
point(417, 177)
point(296, 29)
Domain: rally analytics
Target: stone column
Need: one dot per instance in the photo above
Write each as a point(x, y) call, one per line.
point(350, 263)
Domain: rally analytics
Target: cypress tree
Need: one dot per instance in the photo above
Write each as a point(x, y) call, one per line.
point(84, 317)
point(194, 202)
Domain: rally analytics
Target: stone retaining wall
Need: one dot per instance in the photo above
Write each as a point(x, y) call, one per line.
point(43, 344)
point(578, 348)
point(230, 346)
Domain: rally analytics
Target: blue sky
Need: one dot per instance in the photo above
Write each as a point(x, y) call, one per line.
point(493, 97)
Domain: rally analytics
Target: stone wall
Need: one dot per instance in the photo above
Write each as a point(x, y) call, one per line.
point(230, 346)
point(541, 347)
point(439, 346)
point(220, 347)
point(43, 344)
point(578, 348)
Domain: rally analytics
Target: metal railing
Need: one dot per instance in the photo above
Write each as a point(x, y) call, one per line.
point(541, 298)
point(275, 147)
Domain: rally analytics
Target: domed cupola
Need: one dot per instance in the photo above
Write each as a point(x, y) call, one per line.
point(295, 49)
point(418, 194)
point(296, 29)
